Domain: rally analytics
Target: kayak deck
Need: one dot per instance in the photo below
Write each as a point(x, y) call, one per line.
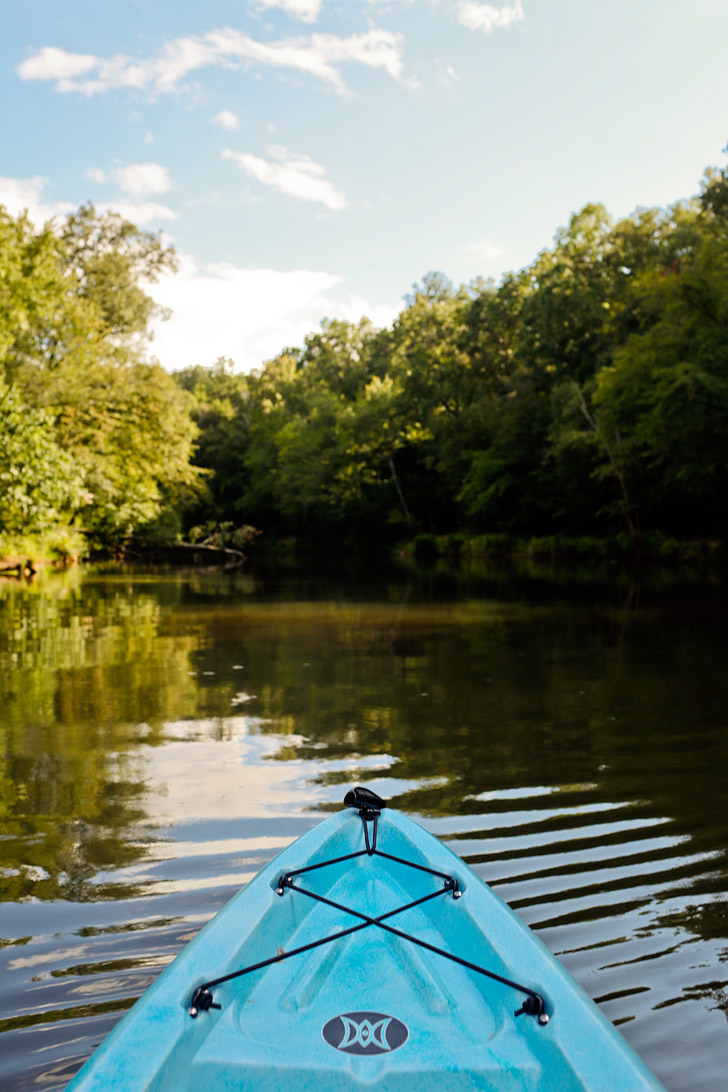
point(369, 1008)
point(378, 973)
point(369, 914)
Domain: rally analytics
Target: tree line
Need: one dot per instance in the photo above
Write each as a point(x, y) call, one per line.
point(96, 440)
point(585, 394)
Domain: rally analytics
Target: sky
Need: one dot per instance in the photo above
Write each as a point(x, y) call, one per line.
point(313, 159)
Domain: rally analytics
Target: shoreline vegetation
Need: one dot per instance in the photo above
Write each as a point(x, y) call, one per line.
point(422, 552)
point(575, 410)
point(652, 548)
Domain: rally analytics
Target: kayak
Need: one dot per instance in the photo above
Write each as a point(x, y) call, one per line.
point(365, 957)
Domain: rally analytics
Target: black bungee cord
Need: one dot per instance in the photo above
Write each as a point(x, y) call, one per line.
point(369, 806)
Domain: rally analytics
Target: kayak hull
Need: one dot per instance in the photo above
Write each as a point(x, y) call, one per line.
point(368, 1009)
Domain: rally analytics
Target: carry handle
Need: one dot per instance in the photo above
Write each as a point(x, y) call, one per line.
point(360, 797)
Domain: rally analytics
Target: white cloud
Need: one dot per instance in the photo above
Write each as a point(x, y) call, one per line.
point(247, 314)
point(226, 119)
point(486, 17)
point(137, 181)
point(50, 63)
point(376, 49)
point(142, 179)
point(307, 11)
point(139, 212)
point(319, 55)
point(26, 194)
point(292, 174)
point(486, 249)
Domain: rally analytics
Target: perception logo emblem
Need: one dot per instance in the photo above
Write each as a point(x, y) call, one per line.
point(365, 1033)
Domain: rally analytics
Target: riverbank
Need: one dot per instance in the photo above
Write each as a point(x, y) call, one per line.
point(24, 556)
point(463, 551)
point(25, 553)
point(427, 549)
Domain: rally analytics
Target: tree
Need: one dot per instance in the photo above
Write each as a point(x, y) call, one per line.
point(110, 261)
point(220, 410)
point(33, 297)
point(73, 330)
point(131, 429)
point(40, 484)
point(667, 392)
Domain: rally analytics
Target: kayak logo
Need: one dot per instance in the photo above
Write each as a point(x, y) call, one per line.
point(365, 1033)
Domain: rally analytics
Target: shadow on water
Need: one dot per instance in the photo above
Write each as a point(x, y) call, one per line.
point(164, 734)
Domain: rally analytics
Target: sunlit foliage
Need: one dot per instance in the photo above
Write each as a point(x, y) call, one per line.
point(584, 394)
point(106, 436)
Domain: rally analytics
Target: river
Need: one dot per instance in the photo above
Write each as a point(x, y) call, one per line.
point(164, 734)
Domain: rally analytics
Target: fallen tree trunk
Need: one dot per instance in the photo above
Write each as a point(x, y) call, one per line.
point(186, 553)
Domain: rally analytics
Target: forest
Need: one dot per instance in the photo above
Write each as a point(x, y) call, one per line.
point(583, 395)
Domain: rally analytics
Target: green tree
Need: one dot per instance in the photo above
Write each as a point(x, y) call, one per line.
point(586, 391)
point(220, 410)
point(667, 392)
point(40, 484)
point(130, 428)
point(74, 330)
point(110, 262)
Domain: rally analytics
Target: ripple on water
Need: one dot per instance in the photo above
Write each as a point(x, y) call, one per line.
point(145, 785)
point(594, 890)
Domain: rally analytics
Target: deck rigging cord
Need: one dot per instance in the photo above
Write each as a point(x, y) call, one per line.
point(369, 806)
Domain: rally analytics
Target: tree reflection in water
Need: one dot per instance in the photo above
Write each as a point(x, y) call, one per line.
point(162, 735)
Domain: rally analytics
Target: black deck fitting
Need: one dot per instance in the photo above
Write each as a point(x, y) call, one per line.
point(365, 800)
point(534, 1005)
point(201, 1001)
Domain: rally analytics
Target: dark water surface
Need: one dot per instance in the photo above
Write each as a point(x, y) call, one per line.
point(162, 736)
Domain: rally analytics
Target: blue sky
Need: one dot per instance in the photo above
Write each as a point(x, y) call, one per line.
point(314, 158)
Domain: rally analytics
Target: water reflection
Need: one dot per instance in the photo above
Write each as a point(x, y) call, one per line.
point(163, 737)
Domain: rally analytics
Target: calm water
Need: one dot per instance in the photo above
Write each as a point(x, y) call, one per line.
point(162, 736)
